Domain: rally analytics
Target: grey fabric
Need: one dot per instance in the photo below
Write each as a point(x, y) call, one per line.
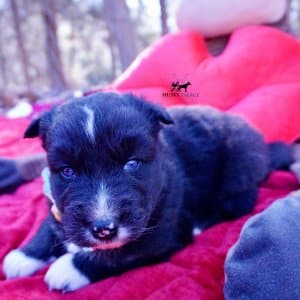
point(31, 166)
point(265, 262)
point(14, 172)
point(10, 177)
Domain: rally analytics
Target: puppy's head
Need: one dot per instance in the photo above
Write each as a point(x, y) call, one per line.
point(105, 165)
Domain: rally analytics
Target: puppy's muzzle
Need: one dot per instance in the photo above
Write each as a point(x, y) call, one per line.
point(104, 229)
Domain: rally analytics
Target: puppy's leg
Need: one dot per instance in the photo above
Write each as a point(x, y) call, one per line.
point(76, 270)
point(72, 271)
point(246, 163)
point(66, 273)
point(32, 257)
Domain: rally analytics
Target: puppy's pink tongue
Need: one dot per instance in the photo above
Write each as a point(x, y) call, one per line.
point(108, 246)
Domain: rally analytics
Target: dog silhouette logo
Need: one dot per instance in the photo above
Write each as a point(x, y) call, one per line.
point(177, 86)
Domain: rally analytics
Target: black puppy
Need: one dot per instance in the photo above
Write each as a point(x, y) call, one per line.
point(132, 182)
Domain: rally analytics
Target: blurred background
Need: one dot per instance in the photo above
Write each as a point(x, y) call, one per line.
point(50, 47)
point(53, 48)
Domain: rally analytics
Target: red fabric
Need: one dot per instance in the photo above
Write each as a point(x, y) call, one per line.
point(257, 77)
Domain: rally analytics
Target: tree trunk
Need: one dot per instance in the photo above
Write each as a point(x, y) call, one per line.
point(113, 57)
point(121, 30)
point(20, 41)
point(3, 68)
point(163, 17)
point(54, 65)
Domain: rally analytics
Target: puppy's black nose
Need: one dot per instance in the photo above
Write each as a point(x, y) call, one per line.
point(104, 229)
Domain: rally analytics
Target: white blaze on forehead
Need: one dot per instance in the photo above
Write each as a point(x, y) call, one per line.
point(89, 124)
point(102, 209)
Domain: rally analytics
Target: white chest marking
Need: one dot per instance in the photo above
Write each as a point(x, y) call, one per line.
point(72, 248)
point(197, 231)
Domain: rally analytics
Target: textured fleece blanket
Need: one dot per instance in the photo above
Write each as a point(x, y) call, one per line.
point(258, 77)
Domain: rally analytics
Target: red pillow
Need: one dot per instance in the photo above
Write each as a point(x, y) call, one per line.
point(257, 77)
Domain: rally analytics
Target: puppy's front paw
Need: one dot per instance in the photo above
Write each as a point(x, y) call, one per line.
point(64, 276)
point(18, 264)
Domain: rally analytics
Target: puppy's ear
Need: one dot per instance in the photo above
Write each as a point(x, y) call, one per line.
point(33, 129)
point(39, 126)
point(162, 115)
point(158, 116)
point(156, 113)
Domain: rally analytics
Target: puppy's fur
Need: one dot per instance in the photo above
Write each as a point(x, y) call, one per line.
point(155, 174)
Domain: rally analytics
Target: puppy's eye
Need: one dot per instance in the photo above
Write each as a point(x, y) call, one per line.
point(132, 165)
point(67, 172)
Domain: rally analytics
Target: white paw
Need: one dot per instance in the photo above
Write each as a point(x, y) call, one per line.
point(17, 264)
point(63, 275)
